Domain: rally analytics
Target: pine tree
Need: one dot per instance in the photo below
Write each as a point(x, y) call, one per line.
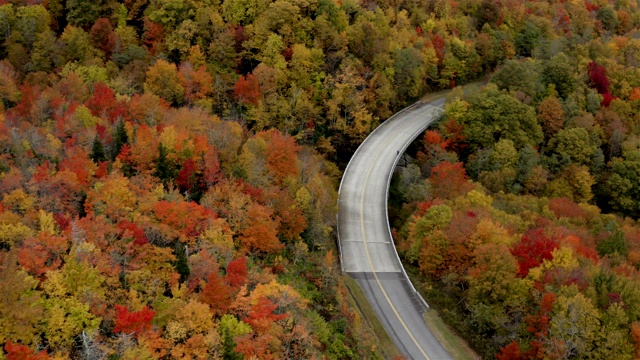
point(165, 169)
point(228, 347)
point(97, 151)
point(120, 139)
point(181, 265)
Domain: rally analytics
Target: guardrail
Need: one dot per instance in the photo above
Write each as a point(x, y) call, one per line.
point(346, 169)
point(386, 208)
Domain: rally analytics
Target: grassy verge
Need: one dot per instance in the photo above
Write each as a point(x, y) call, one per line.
point(457, 91)
point(456, 346)
point(387, 347)
point(435, 96)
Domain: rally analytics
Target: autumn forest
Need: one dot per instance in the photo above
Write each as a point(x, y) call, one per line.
point(169, 174)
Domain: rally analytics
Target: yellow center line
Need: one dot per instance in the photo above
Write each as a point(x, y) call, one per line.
point(366, 247)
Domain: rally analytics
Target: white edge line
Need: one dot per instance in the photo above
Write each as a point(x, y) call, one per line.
point(386, 206)
point(344, 173)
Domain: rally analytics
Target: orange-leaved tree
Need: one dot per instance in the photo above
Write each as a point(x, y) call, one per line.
point(280, 153)
point(247, 89)
point(260, 231)
point(449, 180)
point(216, 293)
point(21, 352)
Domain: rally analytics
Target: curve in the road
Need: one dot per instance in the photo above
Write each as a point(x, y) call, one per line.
point(367, 252)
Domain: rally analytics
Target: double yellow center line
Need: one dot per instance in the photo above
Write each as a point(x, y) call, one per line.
point(366, 247)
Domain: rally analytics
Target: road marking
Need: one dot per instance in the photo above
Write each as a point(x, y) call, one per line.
point(366, 248)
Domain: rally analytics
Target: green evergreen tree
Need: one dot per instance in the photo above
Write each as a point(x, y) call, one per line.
point(97, 151)
point(165, 168)
point(120, 139)
point(181, 264)
point(229, 347)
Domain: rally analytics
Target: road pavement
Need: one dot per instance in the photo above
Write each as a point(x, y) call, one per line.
point(367, 252)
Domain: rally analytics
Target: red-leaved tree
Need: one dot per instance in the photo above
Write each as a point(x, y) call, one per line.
point(565, 207)
point(538, 326)
point(102, 36)
point(237, 272)
point(186, 178)
point(598, 77)
point(261, 315)
point(510, 352)
point(133, 322)
point(132, 230)
point(455, 139)
point(42, 253)
point(153, 35)
point(21, 352)
point(607, 98)
point(533, 249)
point(598, 80)
point(438, 46)
point(102, 99)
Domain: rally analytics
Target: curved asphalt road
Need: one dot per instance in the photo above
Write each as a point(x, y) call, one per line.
point(367, 251)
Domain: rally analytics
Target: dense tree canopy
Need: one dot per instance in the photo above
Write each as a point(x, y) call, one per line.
point(167, 187)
